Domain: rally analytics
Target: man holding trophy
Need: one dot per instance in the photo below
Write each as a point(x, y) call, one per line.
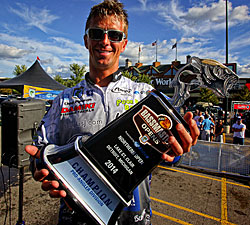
point(96, 101)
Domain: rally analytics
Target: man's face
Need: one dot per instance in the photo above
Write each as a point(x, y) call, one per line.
point(104, 54)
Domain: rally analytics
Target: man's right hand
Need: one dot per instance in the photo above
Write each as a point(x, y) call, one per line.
point(41, 175)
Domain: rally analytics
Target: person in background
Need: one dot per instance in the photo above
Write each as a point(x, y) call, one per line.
point(199, 125)
point(206, 124)
point(220, 114)
point(213, 116)
point(196, 115)
point(234, 118)
point(212, 129)
point(239, 131)
point(219, 128)
point(206, 113)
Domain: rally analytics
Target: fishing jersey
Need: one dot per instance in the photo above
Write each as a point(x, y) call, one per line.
point(82, 111)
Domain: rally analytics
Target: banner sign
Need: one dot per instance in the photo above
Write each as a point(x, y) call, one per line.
point(242, 106)
point(39, 93)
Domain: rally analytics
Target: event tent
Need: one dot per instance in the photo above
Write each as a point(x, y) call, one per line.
point(34, 76)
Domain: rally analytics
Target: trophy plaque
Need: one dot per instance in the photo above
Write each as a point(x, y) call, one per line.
point(100, 174)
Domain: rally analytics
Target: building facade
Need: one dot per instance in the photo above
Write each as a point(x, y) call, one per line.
point(163, 74)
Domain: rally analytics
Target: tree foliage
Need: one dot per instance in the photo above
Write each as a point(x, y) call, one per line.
point(242, 95)
point(19, 69)
point(6, 91)
point(77, 76)
point(208, 96)
point(141, 78)
point(60, 80)
point(78, 73)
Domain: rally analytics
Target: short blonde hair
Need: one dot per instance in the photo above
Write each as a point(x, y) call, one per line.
point(109, 8)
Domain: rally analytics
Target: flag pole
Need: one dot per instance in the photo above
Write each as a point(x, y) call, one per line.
point(175, 46)
point(139, 54)
point(155, 44)
point(156, 51)
point(176, 53)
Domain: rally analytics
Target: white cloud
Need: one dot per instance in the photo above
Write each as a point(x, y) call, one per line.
point(243, 70)
point(197, 26)
point(240, 41)
point(240, 13)
point(187, 40)
point(9, 52)
point(53, 53)
point(143, 3)
point(173, 40)
point(34, 17)
point(166, 54)
point(198, 19)
point(63, 69)
point(49, 70)
point(55, 46)
point(148, 53)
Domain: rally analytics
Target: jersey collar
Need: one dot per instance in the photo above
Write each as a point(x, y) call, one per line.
point(115, 77)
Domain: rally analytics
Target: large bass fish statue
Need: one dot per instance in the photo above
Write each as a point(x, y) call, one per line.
point(202, 73)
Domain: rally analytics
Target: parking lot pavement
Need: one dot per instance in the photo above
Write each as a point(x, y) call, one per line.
point(180, 196)
point(8, 176)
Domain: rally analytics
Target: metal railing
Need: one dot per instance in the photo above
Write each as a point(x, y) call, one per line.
point(219, 157)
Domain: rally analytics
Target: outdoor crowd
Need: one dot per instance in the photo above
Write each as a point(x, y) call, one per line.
point(211, 129)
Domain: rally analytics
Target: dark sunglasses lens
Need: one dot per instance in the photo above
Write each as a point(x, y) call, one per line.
point(96, 34)
point(115, 35)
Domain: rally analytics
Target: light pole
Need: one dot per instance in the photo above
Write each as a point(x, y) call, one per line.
point(226, 110)
point(226, 34)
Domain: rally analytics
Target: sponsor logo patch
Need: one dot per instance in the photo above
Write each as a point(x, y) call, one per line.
point(122, 91)
point(139, 92)
point(154, 129)
point(126, 103)
point(78, 92)
point(88, 107)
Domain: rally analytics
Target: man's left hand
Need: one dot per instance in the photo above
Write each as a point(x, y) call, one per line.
point(187, 139)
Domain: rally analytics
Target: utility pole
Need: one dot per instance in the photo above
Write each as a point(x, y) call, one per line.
point(226, 110)
point(226, 34)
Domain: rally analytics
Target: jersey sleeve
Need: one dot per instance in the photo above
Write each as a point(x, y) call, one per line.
point(48, 131)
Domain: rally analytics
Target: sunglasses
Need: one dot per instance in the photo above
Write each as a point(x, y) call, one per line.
point(97, 34)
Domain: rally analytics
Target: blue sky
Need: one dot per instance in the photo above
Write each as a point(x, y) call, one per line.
point(53, 31)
